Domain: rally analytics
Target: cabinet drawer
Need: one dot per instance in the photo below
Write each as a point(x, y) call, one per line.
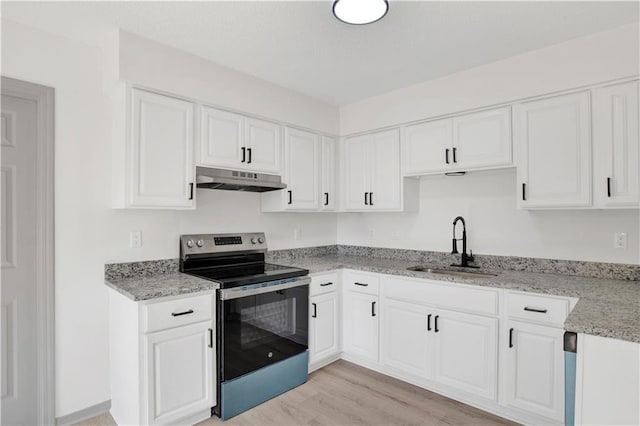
point(541, 309)
point(361, 282)
point(177, 312)
point(324, 283)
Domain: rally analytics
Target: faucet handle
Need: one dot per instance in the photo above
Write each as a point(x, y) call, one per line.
point(470, 258)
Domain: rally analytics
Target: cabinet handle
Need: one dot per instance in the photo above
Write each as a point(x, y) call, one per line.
point(435, 320)
point(373, 309)
point(429, 322)
point(538, 310)
point(524, 196)
point(191, 190)
point(244, 154)
point(326, 284)
point(326, 198)
point(290, 197)
point(511, 337)
point(371, 198)
point(446, 155)
point(211, 338)
point(454, 155)
point(177, 314)
point(315, 311)
point(608, 187)
point(249, 160)
point(366, 203)
point(362, 284)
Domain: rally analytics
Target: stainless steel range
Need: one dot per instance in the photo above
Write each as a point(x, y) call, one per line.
point(262, 317)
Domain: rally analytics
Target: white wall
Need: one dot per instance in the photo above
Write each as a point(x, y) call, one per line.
point(487, 201)
point(586, 60)
point(88, 232)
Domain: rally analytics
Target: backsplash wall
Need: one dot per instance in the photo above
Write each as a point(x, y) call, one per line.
point(487, 201)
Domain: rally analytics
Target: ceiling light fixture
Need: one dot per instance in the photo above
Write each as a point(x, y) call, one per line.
point(360, 12)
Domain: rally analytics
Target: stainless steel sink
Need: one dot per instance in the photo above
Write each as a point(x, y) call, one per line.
point(452, 272)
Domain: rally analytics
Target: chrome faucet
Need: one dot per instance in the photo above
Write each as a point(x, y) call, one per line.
point(465, 258)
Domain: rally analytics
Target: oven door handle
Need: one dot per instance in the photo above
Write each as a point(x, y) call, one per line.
point(236, 293)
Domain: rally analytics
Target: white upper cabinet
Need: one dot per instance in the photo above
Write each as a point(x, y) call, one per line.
point(371, 171)
point(482, 140)
point(263, 140)
point(427, 147)
point(302, 170)
point(234, 141)
point(553, 141)
point(328, 169)
point(222, 138)
point(615, 143)
point(357, 172)
point(468, 142)
point(153, 166)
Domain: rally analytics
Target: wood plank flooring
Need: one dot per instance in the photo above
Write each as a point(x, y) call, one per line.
point(345, 394)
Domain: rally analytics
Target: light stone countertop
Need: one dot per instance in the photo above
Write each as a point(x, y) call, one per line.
point(160, 285)
point(607, 307)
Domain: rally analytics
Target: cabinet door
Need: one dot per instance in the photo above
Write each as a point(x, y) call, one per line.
point(323, 333)
point(357, 166)
point(302, 170)
point(616, 146)
point(180, 372)
point(466, 352)
point(554, 149)
point(406, 337)
point(385, 192)
point(535, 369)
point(482, 140)
point(426, 147)
point(361, 320)
point(221, 138)
point(263, 141)
point(328, 192)
point(161, 151)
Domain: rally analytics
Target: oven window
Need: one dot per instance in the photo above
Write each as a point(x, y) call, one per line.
point(263, 329)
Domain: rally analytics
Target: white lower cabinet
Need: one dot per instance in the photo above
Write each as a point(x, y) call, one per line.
point(361, 336)
point(466, 352)
point(162, 359)
point(179, 366)
point(535, 369)
point(323, 331)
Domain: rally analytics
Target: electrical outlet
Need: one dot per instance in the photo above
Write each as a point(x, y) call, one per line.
point(620, 240)
point(372, 233)
point(135, 239)
point(297, 234)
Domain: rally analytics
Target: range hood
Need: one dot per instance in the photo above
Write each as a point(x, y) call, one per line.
point(232, 180)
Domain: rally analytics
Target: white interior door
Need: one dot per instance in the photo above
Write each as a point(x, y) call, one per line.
point(18, 321)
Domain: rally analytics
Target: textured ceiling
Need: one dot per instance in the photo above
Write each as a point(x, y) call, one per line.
point(299, 45)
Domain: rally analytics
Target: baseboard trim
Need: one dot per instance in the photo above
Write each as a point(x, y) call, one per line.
point(84, 414)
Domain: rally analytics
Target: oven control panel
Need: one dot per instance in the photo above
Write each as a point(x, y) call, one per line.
point(222, 243)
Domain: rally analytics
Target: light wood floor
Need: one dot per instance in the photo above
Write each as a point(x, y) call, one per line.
point(346, 394)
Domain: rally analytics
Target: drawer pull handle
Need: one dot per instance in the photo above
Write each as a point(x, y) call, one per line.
point(373, 309)
point(177, 314)
point(436, 323)
point(538, 310)
point(315, 311)
point(362, 284)
point(511, 337)
point(429, 322)
point(326, 284)
point(211, 338)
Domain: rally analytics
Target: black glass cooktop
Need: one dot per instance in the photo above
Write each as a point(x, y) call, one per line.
point(249, 273)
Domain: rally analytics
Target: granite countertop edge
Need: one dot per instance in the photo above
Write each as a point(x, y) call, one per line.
point(607, 307)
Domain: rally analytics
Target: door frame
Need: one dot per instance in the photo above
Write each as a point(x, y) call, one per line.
point(44, 256)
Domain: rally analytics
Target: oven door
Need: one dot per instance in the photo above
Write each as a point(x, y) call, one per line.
point(262, 324)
